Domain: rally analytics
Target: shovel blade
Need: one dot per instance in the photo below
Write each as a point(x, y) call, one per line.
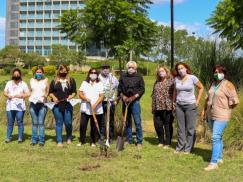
point(120, 144)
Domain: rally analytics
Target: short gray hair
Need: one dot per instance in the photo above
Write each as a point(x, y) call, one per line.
point(132, 63)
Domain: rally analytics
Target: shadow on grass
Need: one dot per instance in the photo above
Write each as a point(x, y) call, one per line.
point(25, 137)
point(204, 153)
point(155, 141)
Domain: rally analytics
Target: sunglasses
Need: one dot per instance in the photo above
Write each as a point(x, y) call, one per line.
point(94, 72)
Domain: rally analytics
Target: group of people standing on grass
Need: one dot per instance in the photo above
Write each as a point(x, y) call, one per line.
point(173, 95)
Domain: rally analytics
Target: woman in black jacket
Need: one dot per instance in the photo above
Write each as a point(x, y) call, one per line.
point(62, 89)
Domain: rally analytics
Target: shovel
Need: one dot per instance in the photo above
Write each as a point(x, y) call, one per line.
point(107, 143)
point(120, 139)
point(98, 129)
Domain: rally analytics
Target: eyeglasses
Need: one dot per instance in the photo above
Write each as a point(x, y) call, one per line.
point(94, 72)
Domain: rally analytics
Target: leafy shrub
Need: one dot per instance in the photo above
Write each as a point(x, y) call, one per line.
point(233, 136)
point(2, 85)
point(49, 70)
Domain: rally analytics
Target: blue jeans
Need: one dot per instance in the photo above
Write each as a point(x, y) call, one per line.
point(65, 117)
point(38, 114)
point(134, 111)
point(19, 116)
point(217, 142)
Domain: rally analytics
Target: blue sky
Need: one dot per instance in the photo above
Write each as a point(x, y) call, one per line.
point(189, 14)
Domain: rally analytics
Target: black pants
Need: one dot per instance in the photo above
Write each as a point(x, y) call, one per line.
point(163, 126)
point(93, 130)
point(112, 113)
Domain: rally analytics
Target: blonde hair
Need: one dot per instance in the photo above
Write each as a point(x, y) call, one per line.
point(132, 63)
point(167, 70)
point(61, 67)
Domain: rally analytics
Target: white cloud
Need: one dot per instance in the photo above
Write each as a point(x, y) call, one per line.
point(2, 24)
point(2, 31)
point(167, 1)
point(195, 27)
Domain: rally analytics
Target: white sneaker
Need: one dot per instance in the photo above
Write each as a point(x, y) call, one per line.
point(211, 167)
point(220, 161)
point(60, 145)
point(79, 144)
point(160, 145)
point(165, 147)
point(93, 145)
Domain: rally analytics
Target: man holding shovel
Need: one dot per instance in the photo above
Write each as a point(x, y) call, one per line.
point(110, 84)
point(130, 89)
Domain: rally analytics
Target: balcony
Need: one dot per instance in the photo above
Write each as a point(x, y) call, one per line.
point(23, 16)
point(31, 8)
point(23, 8)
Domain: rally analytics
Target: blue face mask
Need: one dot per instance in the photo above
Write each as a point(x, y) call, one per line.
point(38, 76)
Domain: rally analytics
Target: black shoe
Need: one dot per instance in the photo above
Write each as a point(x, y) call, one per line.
point(33, 144)
point(41, 144)
point(20, 141)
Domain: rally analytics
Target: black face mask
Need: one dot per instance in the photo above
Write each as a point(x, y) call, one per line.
point(16, 78)
point(63, 74)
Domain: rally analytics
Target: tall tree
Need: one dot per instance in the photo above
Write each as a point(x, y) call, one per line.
point(227, 20)
point(61, 54)
point(114, 23)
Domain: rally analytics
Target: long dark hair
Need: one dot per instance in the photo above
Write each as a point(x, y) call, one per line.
point(188, 69)
point(97, 73)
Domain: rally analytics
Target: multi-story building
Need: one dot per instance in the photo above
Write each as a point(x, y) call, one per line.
point(32, 24)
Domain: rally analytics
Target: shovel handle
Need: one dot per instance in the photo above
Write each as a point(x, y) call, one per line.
point(95, 120)
point(125, 117)
point(108, 120)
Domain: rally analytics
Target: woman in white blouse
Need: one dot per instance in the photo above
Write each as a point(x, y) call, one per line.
point(39, 92)
point(92, 94)
point(16, 91)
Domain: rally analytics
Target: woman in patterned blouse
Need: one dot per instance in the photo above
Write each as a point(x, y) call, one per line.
point(162, 105)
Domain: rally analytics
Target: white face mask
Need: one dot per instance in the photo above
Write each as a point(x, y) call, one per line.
point(93, 77)
point(218, 76)
point(182, 72)
point(131, 70)
point(162, 74)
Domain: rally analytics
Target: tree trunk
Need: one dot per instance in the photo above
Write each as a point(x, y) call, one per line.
point(120, 65)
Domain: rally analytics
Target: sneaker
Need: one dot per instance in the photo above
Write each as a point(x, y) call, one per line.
point(177, 152)
point(166, 147)
point(60, 145)
point(79, 144)
point(7, 141)
point(187, 153)
point(160, 145)
point(211, 167)
point(220, 161)
point(33, 144)
point(69, 142)
point(127, 143)
point(139, 146)
point(93, 145)
point(41, 144)
point(20, 141)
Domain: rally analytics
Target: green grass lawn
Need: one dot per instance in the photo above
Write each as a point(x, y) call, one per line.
point(22, 162)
